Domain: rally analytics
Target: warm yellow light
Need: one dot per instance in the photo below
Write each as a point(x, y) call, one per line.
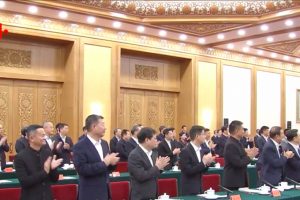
point(96, 108)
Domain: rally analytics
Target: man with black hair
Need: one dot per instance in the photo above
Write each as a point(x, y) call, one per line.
point(221, 141)
point(113, 142)
point(123, 145)
point(208, 146)
point(293, 164)
point(236, 158)
point(22, 142)
point(84, 132)
point(193, 163)
point(273, 159)
point(145, 166)
point(133, 141)
point(161, 135)
point(264, 135)
point(35, 167)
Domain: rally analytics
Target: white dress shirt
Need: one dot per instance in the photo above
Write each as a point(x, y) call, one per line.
point(169, 144)
point(197, 149)
point(296, 147)
point(148, 153)
point(135, 139)
point(97, 145)
point(49, 141)
point(63, 138)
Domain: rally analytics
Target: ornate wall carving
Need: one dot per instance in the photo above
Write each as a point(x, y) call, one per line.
point(135, 109)
point(15, 58)
point(4, 105)
point(49, 107)
point(146, 72)
point(169, 112)
point(152, 111)
point(25, 109)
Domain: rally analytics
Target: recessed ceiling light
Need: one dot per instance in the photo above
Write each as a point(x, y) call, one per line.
point(264, 27)
point(183, 37)
point(2, 4)
point(162, 33)
point(91, 19)
point(260, 52)
point(32, 9)
point(230, 46)
point(273, 55)
point(63, 14)
point(117, 24)
point(201, 40)
point(220, 36)
point(249, 42)
point(286, 57)
point(270, 39)
point(241, 32)
point(292, 35)
point(246, 49)
point(298, 60)
point(289, 22)
point(140, 29)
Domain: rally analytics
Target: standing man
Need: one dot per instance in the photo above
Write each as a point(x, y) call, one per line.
point(293, 165)
point(261, 141)
point(144, 166)
point(122, 146)
point(193, 163)
point(35, 168)
point(48, 128)
point(273, 159)
point(3, 147)
point(113, 142)
point(93, 161)
point(22, 142)
point(236, 158)
point(133, 141)
point(221, 141)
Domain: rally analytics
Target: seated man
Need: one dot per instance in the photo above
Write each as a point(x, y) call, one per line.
point(123, 148)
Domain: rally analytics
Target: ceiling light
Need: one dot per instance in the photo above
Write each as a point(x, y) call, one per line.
point(201, 40)
point(260, 52)
point(292, 35)
point(270, 39)
point(286, 57)
point(63, 14)
point(162, 33)
point(264, 27)
point(120, 15)
point(140, 29)
point(117, 24)
point(91, 19)
point(182, 37)
point(230, 46)
point(298, 60)
point(220, 36)
point(273, 55)
point(289, 22)
point(2, 4)
point(245, 49)
point(32, 9)
point(241, 32)
point(249, 42)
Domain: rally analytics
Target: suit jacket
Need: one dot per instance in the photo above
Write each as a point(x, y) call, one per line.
point(256, 140)
point(160, 137)
point(92, 171)
point(164, 150)
point(113, 144)
point(261, 141)
point(34, 181)
point(236, 161)
point(220, 145)
point(180, 144)
point(3, 148)
point(123, 149)
point(131, 144)
point(191, 171)
point(272, 164)
point(21, 143)
point(65, 154)
point(143, 175)
point(293, 165)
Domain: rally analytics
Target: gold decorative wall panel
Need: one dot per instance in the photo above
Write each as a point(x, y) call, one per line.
point(146, 72)
point(15, 58)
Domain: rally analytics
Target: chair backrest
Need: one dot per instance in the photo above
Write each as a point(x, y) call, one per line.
point(64, 192)
point(211, 181)
point(220, 160)
point(168, 186)
point(10, 193)
point(122, 167)
point(11, 158)
point(119, 190)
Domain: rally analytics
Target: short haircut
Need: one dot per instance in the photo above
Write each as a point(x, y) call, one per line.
point(84, 128)
point(145, 133)
point(161, 128)
point(91, 120)
point(24, 131)
point(31, 129)
point(166, 130)
point(124, 132)
point(116, 130)
point(196, 130)
point(290, 134)
point(234, 126)
point(262, 129)
point(224, 128)
point(135, 128)
point(60, 126)
point(183, 126)
point(275, 130)
point(207, 129)
point(245, 129)
point(46, 122)
point(285, 131)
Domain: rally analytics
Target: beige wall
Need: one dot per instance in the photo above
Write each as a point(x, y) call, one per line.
point(97, 83)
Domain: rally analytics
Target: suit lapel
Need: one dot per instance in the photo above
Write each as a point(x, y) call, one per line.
point(145, 157)
point(193, 152)
point(92, 149)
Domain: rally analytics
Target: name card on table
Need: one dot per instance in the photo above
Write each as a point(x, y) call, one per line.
point(235, 197)
point(275, 193)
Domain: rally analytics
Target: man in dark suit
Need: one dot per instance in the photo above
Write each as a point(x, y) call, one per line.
point(161, 136)
point(182, 141)
point(35, 168)
point(256, 138)
point(48, 128)
point(122, 145)
point(22, 142)
point(167, 147)
point(93, 161)
point(3, 147)
point(208, 146)
point(221, 141)
point(133, 142)
point(144, 166)
point(113, 142)
point(236, 158)
point(293, 165)
point(193, 163)
point(273, 160)
point(261, 141)
point(63, 144)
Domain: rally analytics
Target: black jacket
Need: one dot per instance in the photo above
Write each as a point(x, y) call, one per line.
point(164, 150)
point(113, 144)
point(3, 148)
point(21, 143)
point(65, 154)
point(123, 149)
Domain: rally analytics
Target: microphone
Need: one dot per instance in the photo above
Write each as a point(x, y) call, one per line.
point(269, 184)
point(226, 189)
point(293, 181)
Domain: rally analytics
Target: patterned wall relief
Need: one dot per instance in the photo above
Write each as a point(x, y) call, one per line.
point(49, 108)
point(135, 109)
point(146, 72)
point(152, 107)
point(25, 107)
point(169, 112)
point(4, 107)
point(15, 58)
